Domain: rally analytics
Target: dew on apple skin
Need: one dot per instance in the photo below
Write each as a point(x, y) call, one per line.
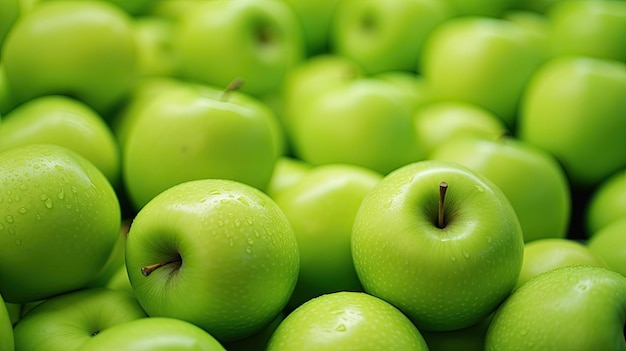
point(11, 231)
point(1, 227)
point(466, 253)
point(453, 258)
point(9, 219)
point(61, 194)
point(341, 328)
point(22, 210)
point(48, 203)
point(18, 242)
point(480, 189)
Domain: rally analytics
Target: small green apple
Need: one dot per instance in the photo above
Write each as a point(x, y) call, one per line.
point(609, 243)
point(440, 242)
point(287, 172)
point(153, 334)
point(7, 342)
point(544, 254)
point(82, 48)
point(573, 108)
point(346, 321)
point(65, 322)
point(607, 203)
point(60, 220)
point(64, 121)
point(567, 308)
point(217, 253)
point(321, 208)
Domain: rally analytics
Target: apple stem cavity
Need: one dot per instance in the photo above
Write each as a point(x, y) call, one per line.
point(233, 86)
point(147, 270)
point(443, 187)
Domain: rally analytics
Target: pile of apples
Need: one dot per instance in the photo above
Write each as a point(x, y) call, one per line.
point(312, 175)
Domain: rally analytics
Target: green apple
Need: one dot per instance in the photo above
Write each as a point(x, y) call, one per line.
point(153, 334)
point(155, 51)
point(544, 254)
point(197, 132)
point(60, 220)
point(64, 121)
point(385, 35)
point(367, 122)
point(573, 108)
point(217, 253)
point(481, 60)
point(606, 203)
point(321, 208)
point(440, 122)
point(65, 322)
point(256, 40)
point(532, 180)
point(7, 342)
point(346, 321)
point(9, 13)
point(316, 20)
point(287, 172)
point(82, 48)
point(609, 243)
point(537, 25)
point(440, 242)
point(567, 308)
point(589, 28)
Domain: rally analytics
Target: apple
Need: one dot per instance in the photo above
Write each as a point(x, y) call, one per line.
point(537, 25)
point(544, 254)
point(367, 122)
point(568, 308)
point(321, 208)
point(217, 253)
point(65, 322)
point(590, 28)
point(437, 123)
point(9, 13)
point(346, 321)
point(316, 19)
point(61, 120)
point(531, 178)
point(196, 132)
point(385, 35)
point(481, 60)
point(153, 334)
point(609, 243)
point(573, 108)
point(82, 48)
point(60, 220)
point(606, 203)
point(287, 172)
point(440, 242)
point(256, 40)
point(7, 342)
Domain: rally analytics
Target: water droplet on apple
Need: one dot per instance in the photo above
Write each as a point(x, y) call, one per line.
point(480, 189)
point(22, 186)
point(18, 242)
point(249, 250)
point(74, 189)
point(17, 198)
point(22, 210)
point(9, 218)
point(61, 194)
point(249, 220)
point(48, 203)
point(243, 201)
point(466, 253)
point(489, 238)
point(1, 227)
point(11, 231)
point(453, 258)
point(237, 223)
point(250, 241)
point(341, 328)
point(38, 217)
point(215, 192)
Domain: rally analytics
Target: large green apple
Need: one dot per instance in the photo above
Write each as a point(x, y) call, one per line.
point(67, 122)
point(153, 334)
point(544, 254)
point(446, 258)
point(568, 308)
point(67, 321)
point(385, 35)
point(316, 19)
point(196, 132)
point(7, 342)
point(217, 253)
point(60, 220)
point(481, 60)
point(346, 321)
point(256, 40)
point(574, 108)
point(82, 48)
point(321, 208)
point(607, 203)
point(609, 243)
point(532, 180)
point(589, 28)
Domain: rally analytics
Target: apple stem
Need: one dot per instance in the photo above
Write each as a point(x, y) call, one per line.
point(443, 186)
point(234, 85)
point(147, 270)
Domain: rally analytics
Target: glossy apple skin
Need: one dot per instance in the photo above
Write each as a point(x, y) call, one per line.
point(321, 208)
point(568, 308)
point(7, 342)
point(82, 48)
point(573, 108)
point(442, 278)
point(385, 35)
point(607, 203)
point(67, 321)
point(532, 180)
point(191, 133)
point(154, 334)
point(61, 218)
point(239, 257)
point(346, 321)
point(67, 122)
point(258, 41)
point(544, 254)
point(609, 243)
